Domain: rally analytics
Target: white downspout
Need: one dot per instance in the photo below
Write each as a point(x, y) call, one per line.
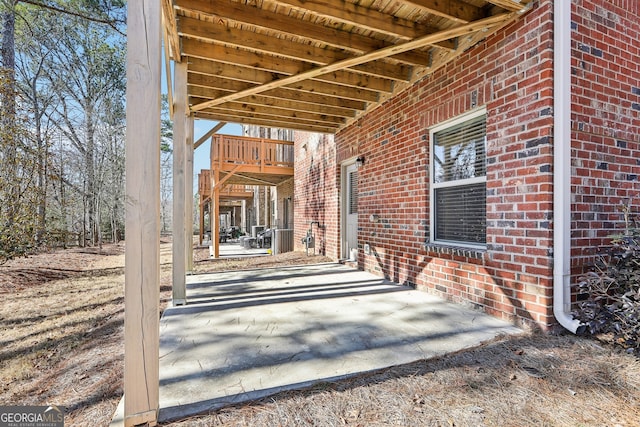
point(562, 165)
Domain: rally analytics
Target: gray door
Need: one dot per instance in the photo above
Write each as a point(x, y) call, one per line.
point(351, 212)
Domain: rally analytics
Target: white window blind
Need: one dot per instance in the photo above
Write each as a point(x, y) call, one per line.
point(353, 192)
point(459, 182)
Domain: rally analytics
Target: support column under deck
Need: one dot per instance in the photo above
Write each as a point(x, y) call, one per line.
point(215, 215)
point(179, 258)
point(142, 215)
point(189, 194)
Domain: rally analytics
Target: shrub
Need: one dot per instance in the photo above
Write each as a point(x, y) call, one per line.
point(612, 290)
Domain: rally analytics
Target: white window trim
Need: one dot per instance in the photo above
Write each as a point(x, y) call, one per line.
point(433, 186)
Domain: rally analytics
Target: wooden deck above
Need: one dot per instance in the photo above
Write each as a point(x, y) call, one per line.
point(245, 160)
point(238, 161)
point(318, 66)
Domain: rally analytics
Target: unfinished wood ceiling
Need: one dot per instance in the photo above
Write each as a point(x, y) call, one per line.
point(317, 65)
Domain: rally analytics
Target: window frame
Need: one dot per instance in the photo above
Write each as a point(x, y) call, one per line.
point(433, 186)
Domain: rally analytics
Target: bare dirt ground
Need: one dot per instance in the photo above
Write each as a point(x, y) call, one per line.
point(62, 344)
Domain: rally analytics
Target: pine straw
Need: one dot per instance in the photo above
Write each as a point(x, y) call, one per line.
point(532, 380)
point(62, 317)
point(62, 344)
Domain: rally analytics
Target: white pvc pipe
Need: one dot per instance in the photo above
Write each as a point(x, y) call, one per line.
point(562, 165)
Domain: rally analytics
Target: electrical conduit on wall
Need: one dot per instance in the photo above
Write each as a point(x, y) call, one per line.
point(562, 165)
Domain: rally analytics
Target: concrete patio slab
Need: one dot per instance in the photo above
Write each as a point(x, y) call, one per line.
point(232, 249)
point(248, 334)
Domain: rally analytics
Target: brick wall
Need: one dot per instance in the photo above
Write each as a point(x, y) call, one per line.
point(316, 192)
point(511, 75)
point(605, 121)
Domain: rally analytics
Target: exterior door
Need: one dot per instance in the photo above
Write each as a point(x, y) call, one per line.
point(351, 212)
point(287, 215)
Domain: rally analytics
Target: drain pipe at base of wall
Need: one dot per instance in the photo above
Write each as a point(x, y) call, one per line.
point(562, 165)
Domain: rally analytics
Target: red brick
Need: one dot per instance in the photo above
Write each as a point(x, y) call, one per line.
point(512, 75)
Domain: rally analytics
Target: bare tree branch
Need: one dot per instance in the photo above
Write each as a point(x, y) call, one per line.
point(110, 22)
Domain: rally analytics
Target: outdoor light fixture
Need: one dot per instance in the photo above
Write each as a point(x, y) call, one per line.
point(359, 161)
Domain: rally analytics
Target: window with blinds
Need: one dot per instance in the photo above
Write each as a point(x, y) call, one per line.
point(458, 181)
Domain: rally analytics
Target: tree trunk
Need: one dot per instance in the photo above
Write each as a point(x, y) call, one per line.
point(9, 58)
point(8, 113)
point(42, 161)
point(91, 176)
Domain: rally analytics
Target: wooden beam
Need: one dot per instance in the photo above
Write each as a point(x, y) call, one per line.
point(327, 89)
point(288, 95)
point(209, 134)
point(142, 214)
point(365, 17)
point(267, 123)
point(252, 75)
point(286, 104)
point(200, 49)
point(316, 32)
point(453, 10)
point(218, 185)
point(255, 181)
point(276, 120)
point(256, 42)
point(171, 30)
point(264, 44)
point(167, 71)
point(326, 110)
point(258, 169)
point(189, 194)
point(510, 5)
point(241, 107)
point(483, 24)
point(179, 268)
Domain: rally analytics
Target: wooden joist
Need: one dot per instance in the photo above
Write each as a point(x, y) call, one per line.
point(253, 75)
point(274, 54)
point(233, 56)
point(483, 24)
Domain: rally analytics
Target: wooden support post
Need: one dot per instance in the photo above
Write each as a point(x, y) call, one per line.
point(243, 216)
point(267, 207)
point(189, 194)
point(218, 141)
point(142, 214)
point(212, 185)
point(179, 186)
point(262, 153)
point(201, 219)
point(215, 215)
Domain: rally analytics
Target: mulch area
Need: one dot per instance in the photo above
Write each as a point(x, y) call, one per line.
point(56, 264)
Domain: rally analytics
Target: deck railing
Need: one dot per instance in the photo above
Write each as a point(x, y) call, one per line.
point(226, 149)
point(204, 183)
point(229, 190)
point(235, 190)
